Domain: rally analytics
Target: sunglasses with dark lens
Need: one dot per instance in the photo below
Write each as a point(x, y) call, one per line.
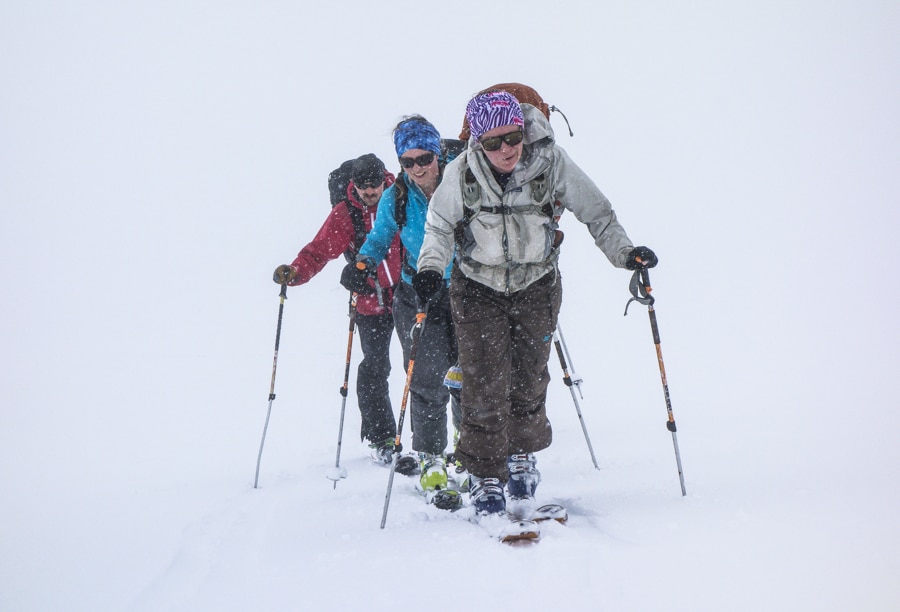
point(369, 185)
point(495, 142)
point(423, 160)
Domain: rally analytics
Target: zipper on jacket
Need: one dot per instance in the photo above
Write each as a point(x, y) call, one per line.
point(503, 210)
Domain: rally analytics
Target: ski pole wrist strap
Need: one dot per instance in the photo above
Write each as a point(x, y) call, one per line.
point(640, 289)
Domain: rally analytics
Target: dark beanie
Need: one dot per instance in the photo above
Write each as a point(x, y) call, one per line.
point(367, 168)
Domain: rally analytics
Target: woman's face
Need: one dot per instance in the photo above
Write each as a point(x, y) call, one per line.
point(426, 177)
point(505, 158)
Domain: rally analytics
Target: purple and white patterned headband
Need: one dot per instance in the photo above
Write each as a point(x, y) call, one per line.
point(491, 110)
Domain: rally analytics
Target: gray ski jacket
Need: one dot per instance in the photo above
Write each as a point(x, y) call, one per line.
point(508, 239)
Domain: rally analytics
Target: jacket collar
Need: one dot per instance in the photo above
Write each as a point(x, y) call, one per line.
point(537, 154)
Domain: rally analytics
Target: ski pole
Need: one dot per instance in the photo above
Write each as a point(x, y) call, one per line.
point(337, 472)
point(640, 290)
point(420, 325)
point(571, 384)
point(576, 380)
point(283, 297)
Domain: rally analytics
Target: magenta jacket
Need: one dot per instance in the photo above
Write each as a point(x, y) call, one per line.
point(337, 235)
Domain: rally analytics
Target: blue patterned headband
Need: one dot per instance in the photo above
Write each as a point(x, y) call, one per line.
point(416, 133)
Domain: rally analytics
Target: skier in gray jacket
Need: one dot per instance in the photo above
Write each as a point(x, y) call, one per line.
point(497, 210)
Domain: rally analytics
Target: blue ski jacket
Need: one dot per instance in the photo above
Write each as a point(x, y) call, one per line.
point(378, 240)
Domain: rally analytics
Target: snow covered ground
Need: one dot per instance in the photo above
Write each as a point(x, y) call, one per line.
point(158, 160)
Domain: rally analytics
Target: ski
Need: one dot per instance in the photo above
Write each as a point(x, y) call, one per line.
point(507, 529)
point(520, 531)
point(521, 525)
point(549, 512)
point(524, 526)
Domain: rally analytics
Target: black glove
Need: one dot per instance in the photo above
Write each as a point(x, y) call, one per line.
point(356, 274)
point(427, 283)
point(641, 258)
point(284, 274)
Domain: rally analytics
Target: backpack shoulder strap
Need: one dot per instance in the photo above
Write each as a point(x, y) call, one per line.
point(359, 231)
point(471, 191)
point(401, 197)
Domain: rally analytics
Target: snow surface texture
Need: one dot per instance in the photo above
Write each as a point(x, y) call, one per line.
point(159, 160)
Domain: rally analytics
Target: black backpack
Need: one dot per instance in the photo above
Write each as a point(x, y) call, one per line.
point(338, 182)
point(451, 148)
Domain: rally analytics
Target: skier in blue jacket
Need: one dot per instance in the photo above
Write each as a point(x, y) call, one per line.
point(402, 209)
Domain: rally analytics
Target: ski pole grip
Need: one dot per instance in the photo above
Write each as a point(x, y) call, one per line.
point(562, 360)
point(654, 327)
point(562, 363)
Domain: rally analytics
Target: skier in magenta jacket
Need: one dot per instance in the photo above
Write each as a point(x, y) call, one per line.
point(374, 320)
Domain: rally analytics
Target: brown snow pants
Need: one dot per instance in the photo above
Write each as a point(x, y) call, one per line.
point(504, 345)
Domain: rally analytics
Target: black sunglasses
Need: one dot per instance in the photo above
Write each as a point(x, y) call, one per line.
point(495, 142)
point(423, 160)
point(369, 184)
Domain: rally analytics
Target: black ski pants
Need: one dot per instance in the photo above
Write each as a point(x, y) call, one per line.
point(504, 345)
point(372, 391)
point(435, 353)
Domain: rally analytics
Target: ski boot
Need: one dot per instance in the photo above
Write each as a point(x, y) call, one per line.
point(524, 476)
point(486, 495)
point(381, 453)
point(434, 483)
point(433, 472)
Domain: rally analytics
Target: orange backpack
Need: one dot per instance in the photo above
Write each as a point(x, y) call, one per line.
point(523, 93)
